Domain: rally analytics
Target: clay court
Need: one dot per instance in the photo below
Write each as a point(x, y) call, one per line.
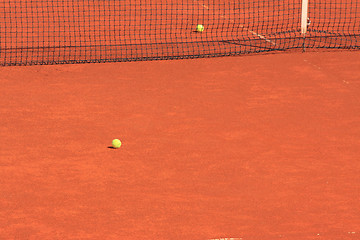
point(260, 146)
point(255, 147)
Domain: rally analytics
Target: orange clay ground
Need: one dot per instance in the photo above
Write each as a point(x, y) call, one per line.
point(259, 147)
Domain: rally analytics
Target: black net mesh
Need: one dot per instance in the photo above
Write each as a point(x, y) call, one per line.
point(71, 31)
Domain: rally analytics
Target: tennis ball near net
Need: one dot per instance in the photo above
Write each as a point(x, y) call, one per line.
point(200, 28)
point(116, 143)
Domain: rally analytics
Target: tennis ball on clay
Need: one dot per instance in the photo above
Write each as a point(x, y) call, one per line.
point(116, 143)
point(200, 28)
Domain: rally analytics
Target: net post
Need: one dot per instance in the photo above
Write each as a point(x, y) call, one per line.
point(304, 20)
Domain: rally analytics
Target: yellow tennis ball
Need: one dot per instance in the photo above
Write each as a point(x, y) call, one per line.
point(200, 28)
point(116, 143)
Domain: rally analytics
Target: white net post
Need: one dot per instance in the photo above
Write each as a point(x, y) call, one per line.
point(304, 19)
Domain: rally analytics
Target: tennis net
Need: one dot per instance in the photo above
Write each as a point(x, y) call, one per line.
point(77, 31)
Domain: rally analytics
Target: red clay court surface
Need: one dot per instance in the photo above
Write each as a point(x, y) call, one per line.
point(253, 147)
